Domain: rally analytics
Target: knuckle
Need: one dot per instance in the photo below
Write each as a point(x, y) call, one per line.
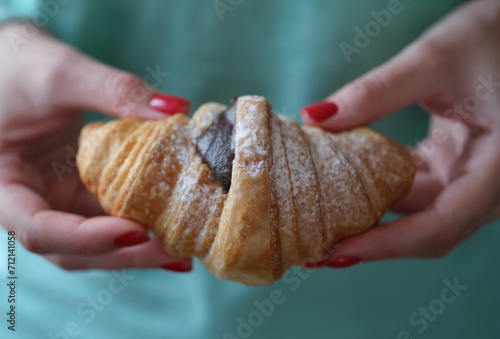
point(85, 246)
point(436, 52)
point(445, 242)
point(430, 49)
point(389, 252)
point(88, 249)
point(121, 87)
point(30, 242)
point(443, 236)
point(368, 88)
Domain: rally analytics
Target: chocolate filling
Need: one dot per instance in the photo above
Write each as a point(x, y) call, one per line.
point(216, 146)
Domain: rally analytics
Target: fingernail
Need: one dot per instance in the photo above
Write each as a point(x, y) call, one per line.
point(313, 264)
point(169, 104)
point(343, 262)
point(320, 111)
point(131, 239)
point(180, 267)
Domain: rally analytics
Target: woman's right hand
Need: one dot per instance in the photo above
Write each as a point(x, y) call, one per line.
point(44, 84)
point(453, 71)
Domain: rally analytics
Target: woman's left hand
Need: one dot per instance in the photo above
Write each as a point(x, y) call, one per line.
point(43, 87)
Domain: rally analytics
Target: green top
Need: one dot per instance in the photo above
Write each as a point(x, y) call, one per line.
point(293, 52)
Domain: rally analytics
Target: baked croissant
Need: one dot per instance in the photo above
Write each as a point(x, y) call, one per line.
point(248, 192)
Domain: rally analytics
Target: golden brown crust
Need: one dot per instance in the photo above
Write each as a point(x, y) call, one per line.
point(249, 212)
point(294, 192)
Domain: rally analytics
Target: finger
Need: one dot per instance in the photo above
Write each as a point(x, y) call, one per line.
point(444, 148)
point(398, 83)
point(92, 85)
point(496, 213)
point(413, 236)
point(428, 181)
point(437, 159)
point(425, 234)
point(426, 187)
point(86, 204)
point(456, 214)
point(58, 232)
point(148, 255)
point(42, 230)
point(68, 194)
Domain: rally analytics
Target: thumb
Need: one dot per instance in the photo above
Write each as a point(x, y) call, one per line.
point(89, 84)
point(407, 78)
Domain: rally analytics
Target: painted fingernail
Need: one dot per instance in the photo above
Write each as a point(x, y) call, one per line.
point(320, 111)
point(314, 264)
point(131, 239)
point(180, 267)
point(169, 104)
point(343, 262)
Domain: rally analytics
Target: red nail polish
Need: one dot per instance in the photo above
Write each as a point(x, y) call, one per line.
point(131, 239)
point(180, 267)
point(342, 262)
point(314, 264)
point(169, 104)
point(320, 111)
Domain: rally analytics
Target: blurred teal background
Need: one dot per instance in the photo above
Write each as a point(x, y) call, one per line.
point(288, 51)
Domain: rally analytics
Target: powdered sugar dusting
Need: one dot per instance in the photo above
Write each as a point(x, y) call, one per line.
point(346, 203)
point(251, 144)
point(304, 186)
point(281, 182)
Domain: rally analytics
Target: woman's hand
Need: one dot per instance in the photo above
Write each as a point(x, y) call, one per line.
point(43, 86)
point(453, 71)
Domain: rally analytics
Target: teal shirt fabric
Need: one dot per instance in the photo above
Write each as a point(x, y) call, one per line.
point(10, 9)
point(288, 51)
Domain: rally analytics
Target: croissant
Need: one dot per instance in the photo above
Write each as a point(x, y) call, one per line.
point(248, 192)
